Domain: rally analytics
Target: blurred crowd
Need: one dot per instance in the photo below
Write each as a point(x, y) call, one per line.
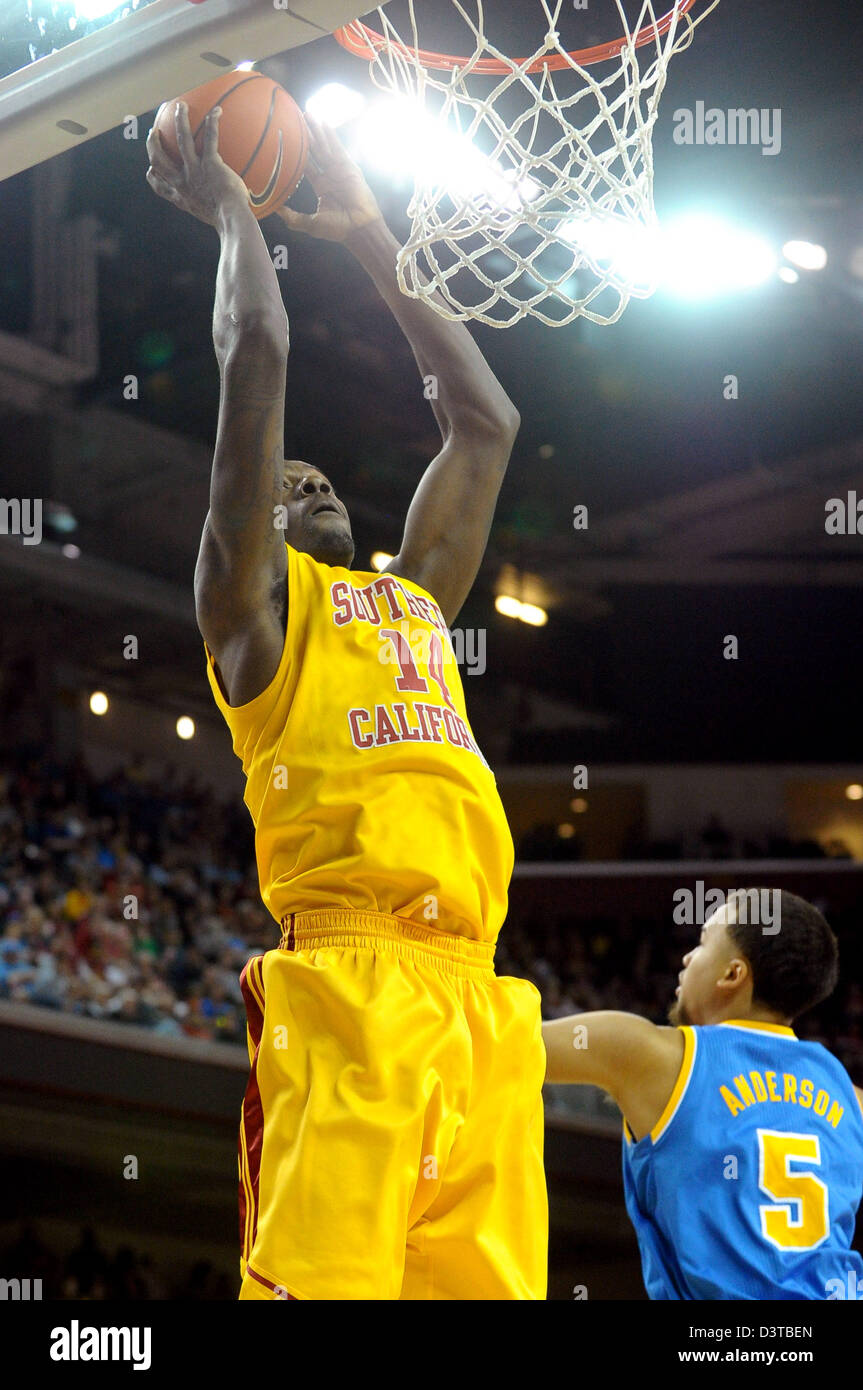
point(90, 1272)
point(127, 898)
point(136, 899)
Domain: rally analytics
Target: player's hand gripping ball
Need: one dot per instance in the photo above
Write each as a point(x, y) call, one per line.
point(261, 138)
point(345, 201)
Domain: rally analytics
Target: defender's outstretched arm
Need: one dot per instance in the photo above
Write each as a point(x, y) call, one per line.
point(636, 1062)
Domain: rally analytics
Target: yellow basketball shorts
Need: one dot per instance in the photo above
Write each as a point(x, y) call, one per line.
point(391, 1141)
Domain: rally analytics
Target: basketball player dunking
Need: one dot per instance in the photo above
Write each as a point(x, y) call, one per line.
point(392, 1129)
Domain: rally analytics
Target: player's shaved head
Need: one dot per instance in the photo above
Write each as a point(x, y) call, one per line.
point(295, 470)
point(323, 534)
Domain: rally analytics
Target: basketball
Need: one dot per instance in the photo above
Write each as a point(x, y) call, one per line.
point(262, 134)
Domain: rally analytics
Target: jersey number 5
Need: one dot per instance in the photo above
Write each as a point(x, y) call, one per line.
point(801, 1221)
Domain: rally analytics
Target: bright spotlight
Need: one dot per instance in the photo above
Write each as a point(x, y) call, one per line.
point(389, 136)
point(397, 136)
point(509, 607)
point(99, 702)
point(381, 559)
point(95, 9)
point(537, 617)
point(854, 792)
point(625, 251)
point(72, 552)
point(788, 274)
point(808, 255)
point(526, 612)
point(245, 66)
point(185, 727)
point(707, 257)
point(334, 103)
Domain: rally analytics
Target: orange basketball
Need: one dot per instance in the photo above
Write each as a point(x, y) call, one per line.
point(262, 134)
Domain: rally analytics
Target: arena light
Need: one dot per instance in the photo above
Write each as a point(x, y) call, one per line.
point(633, 252)
point(530, 613)
point(566, 830)
point(500, 186)
point(380, 560)
point(58, 516)
point(578, 805)
point(96, 9)
point(334, 103)
point(526, 612)
point(71, 551)
point(385, 138)
point(508, 606)
point(246, 66)
point(706, 256)
point(788, 274)
point(397, 136)
point(854, 792)
point(99, 702)
point(808, 255)
point(185, 727)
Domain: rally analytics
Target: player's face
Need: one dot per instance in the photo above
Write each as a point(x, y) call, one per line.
point(317, 522)
point(710, 976)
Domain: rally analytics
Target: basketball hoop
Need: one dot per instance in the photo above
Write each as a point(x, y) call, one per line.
point(557, 210)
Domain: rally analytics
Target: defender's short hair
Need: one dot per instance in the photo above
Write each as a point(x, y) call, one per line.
point(792, 969)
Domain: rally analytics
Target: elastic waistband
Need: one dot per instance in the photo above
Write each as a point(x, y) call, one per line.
point(337, 926)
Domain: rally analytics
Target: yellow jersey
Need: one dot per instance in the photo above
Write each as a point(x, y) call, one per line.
point(364, 782)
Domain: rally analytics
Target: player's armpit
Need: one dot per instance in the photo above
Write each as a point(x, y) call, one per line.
point(635, 1061)
point(450, 517)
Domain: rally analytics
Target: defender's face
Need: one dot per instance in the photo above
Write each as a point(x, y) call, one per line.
point(715, 959)
point(317, 522)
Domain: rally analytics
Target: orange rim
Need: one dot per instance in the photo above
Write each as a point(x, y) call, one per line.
point(367, 43)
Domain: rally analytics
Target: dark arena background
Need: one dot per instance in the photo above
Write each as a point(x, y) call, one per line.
point(661, 657)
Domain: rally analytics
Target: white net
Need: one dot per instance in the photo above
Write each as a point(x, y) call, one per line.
point(534, 194)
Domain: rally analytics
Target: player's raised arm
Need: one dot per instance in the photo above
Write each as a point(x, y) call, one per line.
point(450, 517)
point(636, 1062)
point(240, 578)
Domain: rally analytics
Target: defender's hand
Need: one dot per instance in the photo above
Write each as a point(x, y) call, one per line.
point(345, 201)
point(203, 184)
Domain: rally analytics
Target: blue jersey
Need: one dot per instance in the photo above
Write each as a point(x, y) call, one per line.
point(748, 1185)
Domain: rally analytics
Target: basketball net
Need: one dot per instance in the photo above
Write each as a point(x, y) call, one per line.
point(540, 201)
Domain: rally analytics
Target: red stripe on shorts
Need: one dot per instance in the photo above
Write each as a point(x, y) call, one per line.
point(253, 1114)
point(277, 1289)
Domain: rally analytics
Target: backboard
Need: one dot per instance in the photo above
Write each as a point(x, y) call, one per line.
point(142, 59)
